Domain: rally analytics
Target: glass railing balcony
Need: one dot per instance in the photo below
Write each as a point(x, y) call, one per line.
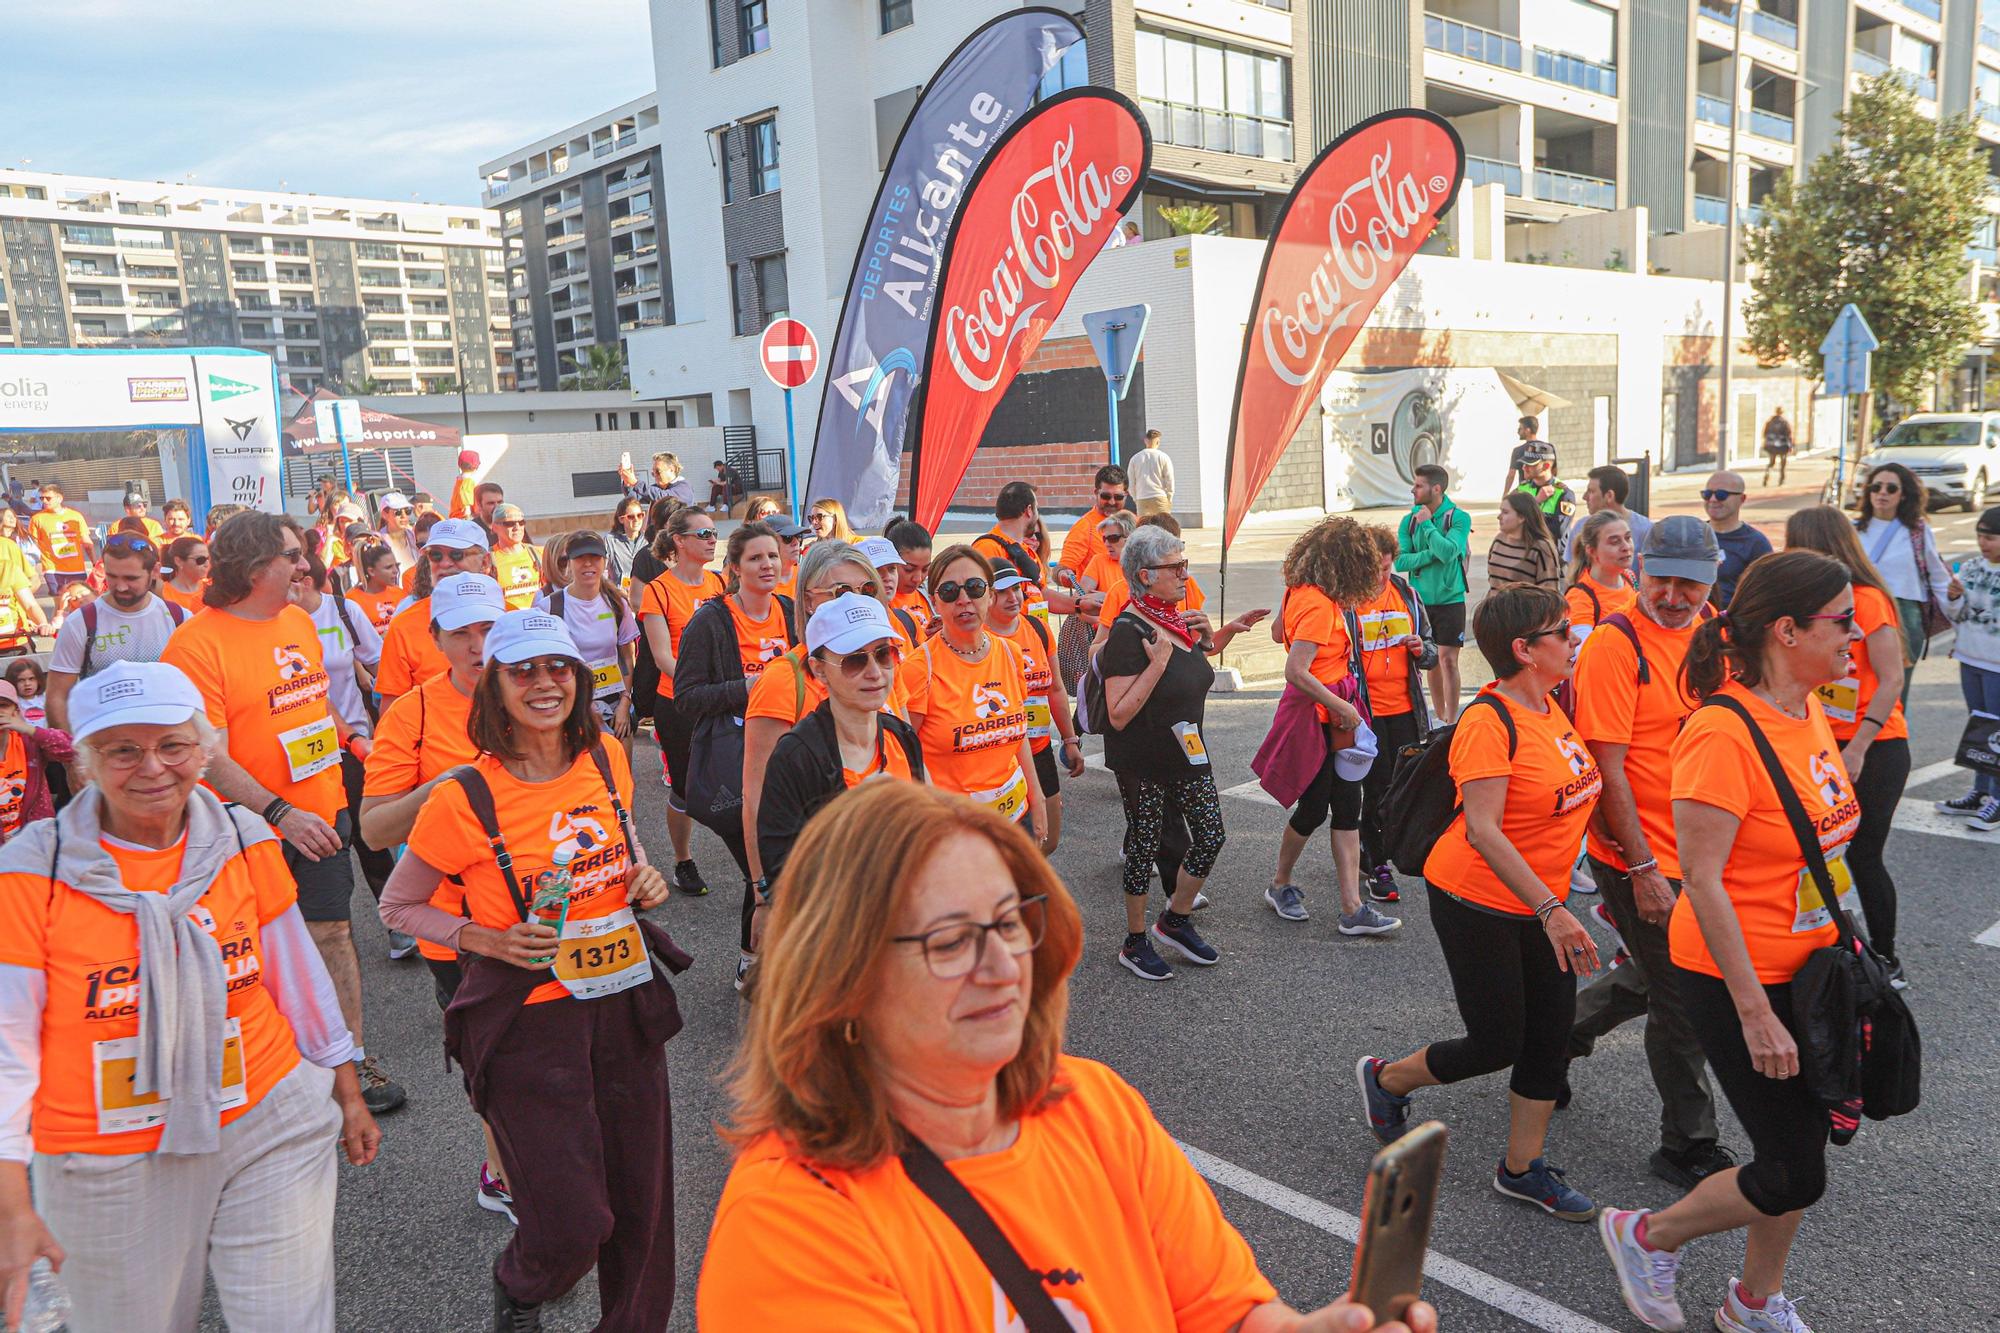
point(1783, 32)
point(1713, 212)
point(1869, 64)
point(1474, 43)
point(1771, 125)
point(1561, 67)
point(1569, 187)
point(1930, 9)
point(1989, 113)
point(1721, 13)
point(1986, 255)
point(1922, 85)
point(1714, 110)
point(1989, 37)
point(1491, 171)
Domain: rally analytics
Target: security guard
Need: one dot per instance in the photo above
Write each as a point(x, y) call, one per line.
point(1556, 500)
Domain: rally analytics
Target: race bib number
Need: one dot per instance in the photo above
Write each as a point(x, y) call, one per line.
point(1009, 800)
point(607, 679)
point(1810, 910)
point(312, 748)
point(602, 956)
point(1189, 735)
point(122, 1109)
point(1384, 629)
point(61, 544)
point(1039, 726)
point(1039, 609)
point(10, 620)
point(1841, 699)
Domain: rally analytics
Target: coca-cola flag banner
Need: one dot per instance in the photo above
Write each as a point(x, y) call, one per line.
point(1041, 206)
point(879, 350)
point(1343, 236)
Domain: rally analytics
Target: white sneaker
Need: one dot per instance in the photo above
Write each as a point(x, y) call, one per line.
point(1778, 1315)
point(1580, 878)
point(1645, 1277)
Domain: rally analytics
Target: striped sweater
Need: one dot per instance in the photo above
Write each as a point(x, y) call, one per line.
point(1512, 564)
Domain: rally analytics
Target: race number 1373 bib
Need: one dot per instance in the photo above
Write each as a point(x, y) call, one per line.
point(602, 956)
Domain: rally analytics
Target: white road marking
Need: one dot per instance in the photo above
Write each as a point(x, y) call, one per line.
point(1525, 1306)
point(1932, 772)
point(1252, 790)
point(1990, 937)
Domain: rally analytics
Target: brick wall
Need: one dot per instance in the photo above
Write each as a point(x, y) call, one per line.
point(1299, 480)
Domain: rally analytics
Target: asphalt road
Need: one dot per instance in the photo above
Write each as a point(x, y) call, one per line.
point(1250, 1062)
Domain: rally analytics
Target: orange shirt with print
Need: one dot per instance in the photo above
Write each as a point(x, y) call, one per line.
point(1610, 601)
point(1778, 906)
point(759, 642)
point(461, 497)
point(1612, 707)
point(1118, 597)
point(1092, 1187)
point(974, 715)
point(918, 605)
point(265, 681)
point(1310, 616)
point(1552, 786)
point(422, 734)
point(88, 956)
point(1386, 620)
point(1846, 701)
point(519, 572)
point(60, 533)
point(535, 818)
point(1083, 543)
point(379, 607)
point(410, 654)
point(13, 782)
point(188, 601)
point(674, 602)
point(1038, 673)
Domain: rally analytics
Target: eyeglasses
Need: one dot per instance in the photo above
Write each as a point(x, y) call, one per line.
point(1885, 488)
point(865, 589)
point(816, 518)
point(1719, 495)
point(948, 591)
point(125, 758)
point(195, 560)
point(127, 541)
point(441, 555)
point(888, 656)
point(1553, 630)
point(1179, 567)
point(954, 951)
point(1112, 497)
point(558, 669)
point(292, 554)
point(1842, 621)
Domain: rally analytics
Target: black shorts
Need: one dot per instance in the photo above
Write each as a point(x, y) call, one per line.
point(326, 886)
point(675, 734)
point(1045, 769)
point(1448, 624)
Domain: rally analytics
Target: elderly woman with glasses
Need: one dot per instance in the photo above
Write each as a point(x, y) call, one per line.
point(561, 1014)
point(173, 1062)
point(911, 1015)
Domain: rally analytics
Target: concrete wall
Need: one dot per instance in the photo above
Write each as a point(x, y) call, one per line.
point(1592, 240)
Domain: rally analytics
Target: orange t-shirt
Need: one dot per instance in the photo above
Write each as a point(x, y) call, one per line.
point(890, 761)
point(1034, 599)
point(675, 602)
point(410, 581)
point(776, 694)
point(519, 570)
point(1083, 543)
point(1846, 701)
point(1552, 786)
point(461, 498)
point(89, 957)
point(266, 682)
point(1310, 616)
point(1778, 906)
point(1386, 620)
point(974, 716)
point(410, 656)
point(1613, 707)
point(759, 642)
point(789, 585)
point(60, 533)
point(535, 818)
point(1610, 601)
point(13, 782)
point(1093, 1193)
point(916, 603)
point(1118, 597)
point(422, 734)
point(1038, 672)
point(379, 607)
point(189, 601)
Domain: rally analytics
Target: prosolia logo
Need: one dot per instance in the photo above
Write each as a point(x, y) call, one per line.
point(24, 392)
point(221, 390)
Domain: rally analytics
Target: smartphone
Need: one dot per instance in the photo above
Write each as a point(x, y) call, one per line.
point(1396, 1212)
point(625, 459)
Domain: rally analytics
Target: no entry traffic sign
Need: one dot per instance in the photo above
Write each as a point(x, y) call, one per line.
point(789, 353)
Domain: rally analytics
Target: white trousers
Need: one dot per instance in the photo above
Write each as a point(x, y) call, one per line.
point(140, 1228)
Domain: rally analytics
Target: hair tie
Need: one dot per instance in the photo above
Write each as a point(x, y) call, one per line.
point(1722, 625)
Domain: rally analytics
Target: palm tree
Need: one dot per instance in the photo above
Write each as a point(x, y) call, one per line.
point(1190, 219)
point(602, 368)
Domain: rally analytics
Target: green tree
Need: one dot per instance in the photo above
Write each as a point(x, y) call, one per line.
point(602, 368)
point(1882, 221)
point(1190, 219)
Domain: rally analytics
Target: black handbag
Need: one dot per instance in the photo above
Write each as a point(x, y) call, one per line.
point(1979, 744)
point(1032, 1302)
point(1857, 1038)
point(714, 786)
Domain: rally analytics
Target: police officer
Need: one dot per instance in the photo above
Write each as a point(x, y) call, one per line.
point(1555, 499)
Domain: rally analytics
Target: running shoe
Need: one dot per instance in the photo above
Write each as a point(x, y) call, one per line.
point(493, 1196)
point(1183, 939)
point(1645, 1276)
point(1382, 885)
point(512, 1316)
point(379, 1093)
point(1287, 902)
point(1200, 902)
point(1778, 1315)
point(1690, 1166)
point(401, 946)
point(1988, 817)
point(1580, 878)
point(1365, 920)
point(688, 880)
point(1388, 1114)
point(1897, 981)
point(744, 962)
point(1543, 1185)
point(1965, 807)
point(1142, 961)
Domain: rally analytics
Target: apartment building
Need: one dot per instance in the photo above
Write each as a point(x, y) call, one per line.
point(581, 216)
point(358, 294)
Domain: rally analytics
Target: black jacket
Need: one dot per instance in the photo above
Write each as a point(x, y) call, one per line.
point(708, 674)
point(803, 774)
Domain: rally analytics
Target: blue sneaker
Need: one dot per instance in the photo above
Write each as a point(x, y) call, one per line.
point(1287, 902)
point(1182, 939)
point(1965, 807)
point(1543, 1185)
point(1139, 958)
point(1388, 1115)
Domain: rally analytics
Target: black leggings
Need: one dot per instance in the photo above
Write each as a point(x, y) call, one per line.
point(1518, 1005)
point(1786, 1124)
point(375, 864)
point(1392, 733)
point(675, 734)
point(1879, 788)
point(1330, 796)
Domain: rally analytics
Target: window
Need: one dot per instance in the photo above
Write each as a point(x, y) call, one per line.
point(764, 156)
point(774, 297)
point(739, 317)
point(897, 14)
point(753, 27)
point(722, 156)
point(1202, 94)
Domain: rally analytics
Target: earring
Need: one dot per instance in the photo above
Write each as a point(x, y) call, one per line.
point(853, 1037)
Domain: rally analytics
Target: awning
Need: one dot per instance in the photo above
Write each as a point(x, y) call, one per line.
point(379, 430)
point(1532, 401)
point(1248, 192)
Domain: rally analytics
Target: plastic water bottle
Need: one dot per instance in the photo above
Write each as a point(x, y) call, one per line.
point(47, 1309)
point(551, 902)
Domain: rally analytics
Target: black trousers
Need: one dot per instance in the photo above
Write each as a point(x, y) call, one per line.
point(1883, 776)
point(375, 864)
point(1392, 733)
point(1517, 1003)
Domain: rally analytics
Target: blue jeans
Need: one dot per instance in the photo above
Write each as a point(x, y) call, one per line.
point(1982, 695)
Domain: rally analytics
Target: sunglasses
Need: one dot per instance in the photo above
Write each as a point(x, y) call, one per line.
point(1885, 488)
point(513, 523)
point(1179, 568)
point(865, 589)
point(195, 560)
point(558, 669)
point(701, 534)
point(291, 554)
point(1112, 497)
point(129, 541)
point(816, 519)
point(974, 589)
point(1719, 495)
point(442, 555)
point(1552, 631)
point(1842, 621)
point(888, 656)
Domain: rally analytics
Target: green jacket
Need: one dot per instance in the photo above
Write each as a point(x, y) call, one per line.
point(1435, 550)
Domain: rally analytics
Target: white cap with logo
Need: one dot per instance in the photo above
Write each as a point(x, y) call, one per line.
point(522, 636)
point(393, 500)
point(879, 551)
point(847, 624)
point(132, 692)
point(458, 600)
point(459, 534)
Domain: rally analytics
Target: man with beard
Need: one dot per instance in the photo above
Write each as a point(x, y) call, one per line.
point(127, 623)
point(1629, 708)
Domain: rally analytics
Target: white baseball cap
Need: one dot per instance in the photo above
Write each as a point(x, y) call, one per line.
point(460, 534)
point(458, 600)
point(847, 624)
point(1353, 763)
point(879, 551)
point(394, 500)
point(522, 636)
point(128, 692)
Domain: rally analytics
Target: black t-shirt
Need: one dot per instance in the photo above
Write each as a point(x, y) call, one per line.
point(1157, 742)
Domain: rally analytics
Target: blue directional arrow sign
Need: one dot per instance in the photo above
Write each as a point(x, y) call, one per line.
point(1845, 353)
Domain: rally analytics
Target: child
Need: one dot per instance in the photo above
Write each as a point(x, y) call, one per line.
point(28, 753)
point(28, 679)
point(1978, 652)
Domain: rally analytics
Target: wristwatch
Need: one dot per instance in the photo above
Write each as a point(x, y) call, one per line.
point(761, 890)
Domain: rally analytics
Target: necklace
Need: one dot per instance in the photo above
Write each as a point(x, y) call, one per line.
point(1771, 699)
point(977, 654)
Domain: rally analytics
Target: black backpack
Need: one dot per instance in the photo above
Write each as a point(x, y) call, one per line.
point(1093, 715)
point(1422, 800)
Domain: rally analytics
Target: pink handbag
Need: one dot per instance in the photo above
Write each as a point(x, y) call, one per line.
point(1294, 750)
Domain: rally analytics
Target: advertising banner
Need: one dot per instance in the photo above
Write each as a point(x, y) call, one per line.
point(1043, 204)
point(1348, 229)
point(880, 350)
point(1381, 427)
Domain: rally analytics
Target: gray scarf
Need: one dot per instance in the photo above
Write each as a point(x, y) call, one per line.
point(183, 1000)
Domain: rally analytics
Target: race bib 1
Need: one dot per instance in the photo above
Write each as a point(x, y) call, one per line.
point(607, 679)
point(1038, 717)
point(602, 956)
point(1841, 699)
point(1009, 800)
point(1810, 912)
point(1189, 735)
point(122, 1109)
point(312, 748)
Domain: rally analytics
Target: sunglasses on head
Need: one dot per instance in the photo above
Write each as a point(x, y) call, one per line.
point(974, 589)
point(558, 669)
point(1719, 495)
point(1885, 488)
point(887, 656)
point(127, 541)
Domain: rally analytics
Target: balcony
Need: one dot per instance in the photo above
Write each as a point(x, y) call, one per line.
point(1200, 127)
point(563, 240)
point(1472, 42)
point(1575, 189)
point(649, 322)
point(1869, 65)
point(1719, 12)
point(1714, 110)
point(1986, 256)
point(629, 220)
point(1561, 67)
point(629, 183)
point(1930, 9)
point(646, 286)
point(1778, 31)
point(1771, 125)
point(1485, 171)
point(1989, 37)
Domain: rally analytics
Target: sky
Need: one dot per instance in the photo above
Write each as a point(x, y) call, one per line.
point(382, 99)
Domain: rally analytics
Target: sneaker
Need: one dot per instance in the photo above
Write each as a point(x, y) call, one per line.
point(1988, 816)
point(378, 1092)
point(1365, 920)
point(1965, 807)
point(1140, 960)
point(1181, 937)
point(401, 946)
point(1543, 1185)
point(1200, 902)
point(493, 1196)
point(1619, 958)
point(512, 1316)
point(1388, 1115)
point(1897, 981)
point(1580, 878)
point(688, 880)
point(1645, 1276)
point(1382, 885)
point(1778, 1315)
point(1690, 1166)
point(1287, 902)
point(744, 962)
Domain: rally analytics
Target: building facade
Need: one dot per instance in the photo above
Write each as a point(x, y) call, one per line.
point(354, 294)
point(586, 264)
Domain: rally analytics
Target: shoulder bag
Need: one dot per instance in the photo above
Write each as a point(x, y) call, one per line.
point(1033, 1305)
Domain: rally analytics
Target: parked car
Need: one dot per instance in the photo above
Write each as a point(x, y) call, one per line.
point(1956, 454)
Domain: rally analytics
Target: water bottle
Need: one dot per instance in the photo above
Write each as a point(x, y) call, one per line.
point(47, 1308)
point(551, 902)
